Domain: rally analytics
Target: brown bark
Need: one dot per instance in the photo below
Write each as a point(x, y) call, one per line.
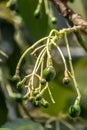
point(72, 17)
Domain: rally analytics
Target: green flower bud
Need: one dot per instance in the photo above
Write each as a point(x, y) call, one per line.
point(36, 103)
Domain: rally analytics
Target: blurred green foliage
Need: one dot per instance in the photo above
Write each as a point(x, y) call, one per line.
point(23, 124)
point(38, 30)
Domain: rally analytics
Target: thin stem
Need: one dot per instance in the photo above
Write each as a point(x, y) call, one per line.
point(27, 94)
point(49, 121)
point(72, 70)
point(40, 60)
point(57, 124)
point(29, 49)
point(3, 53)
point(43, 90)
point(42, 66)
point(39, 4)
point(48, 46)
point(46, 7)
point(23, 80)
point(51, 97)
point(36, 64)
point(62, 56)
point(54, 31)
point(67, 124)
point(40, 1)
point(9, 3)
point(37, 49)
point(68, 30)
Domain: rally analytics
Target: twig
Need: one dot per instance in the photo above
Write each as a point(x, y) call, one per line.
point(67, 12)
point(72, 17)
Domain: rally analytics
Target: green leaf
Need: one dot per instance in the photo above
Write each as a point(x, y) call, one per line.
point(23, 124)
point(37, 27)
point(61, 95)
point(81, 76)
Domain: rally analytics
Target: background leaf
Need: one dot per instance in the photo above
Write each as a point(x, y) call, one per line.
point(37, 27)
point(61, 95)
point(23, 124)
point(81, 75)
point(5, 129)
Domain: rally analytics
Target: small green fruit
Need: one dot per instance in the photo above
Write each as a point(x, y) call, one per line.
point(16, 78)
point(49, 73)
point(37, 13)
point(53, 20)
point(74, 110)
point(17, 97)
point(36, 103)
point(66, 80)
point(31, 99)
point(43, 82)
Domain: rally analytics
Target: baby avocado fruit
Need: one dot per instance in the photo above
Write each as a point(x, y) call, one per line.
point(53, 20)
point(43, 82)
point(74, 110)
point(66, 80)
point(16, 78)
point(49, 73)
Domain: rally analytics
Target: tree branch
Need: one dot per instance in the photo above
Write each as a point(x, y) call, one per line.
point(67, 12)
point(72, 17)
